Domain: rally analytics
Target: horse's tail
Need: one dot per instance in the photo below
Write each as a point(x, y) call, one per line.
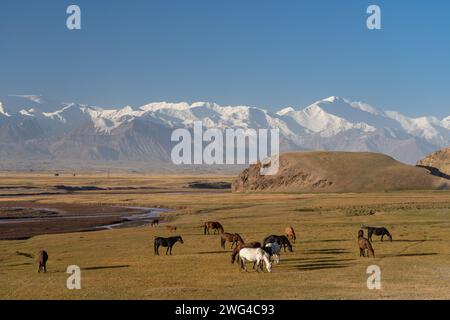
point(293, 234)
point(206, 227)
point(154, 245)
point(222, 242)
point(221, 228)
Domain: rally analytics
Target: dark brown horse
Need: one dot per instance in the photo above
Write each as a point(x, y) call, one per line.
point(234, 238)
point(216, 226)
point(236, 250)
point(364, 245)
point(42, 261)
point(155, 222)
point(290, 233)
point(281, 240)
point(166, 242)
point(378, 232)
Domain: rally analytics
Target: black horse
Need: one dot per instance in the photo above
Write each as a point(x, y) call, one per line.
point(378, 232)
point(281, 240)
point(166, 242)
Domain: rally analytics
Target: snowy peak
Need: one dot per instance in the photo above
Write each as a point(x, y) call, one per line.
point(2, 111)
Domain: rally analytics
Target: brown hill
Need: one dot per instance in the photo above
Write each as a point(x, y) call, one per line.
point(438, 162)
point(338, 172)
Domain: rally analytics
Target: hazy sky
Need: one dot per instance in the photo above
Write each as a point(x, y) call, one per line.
point(269, 54)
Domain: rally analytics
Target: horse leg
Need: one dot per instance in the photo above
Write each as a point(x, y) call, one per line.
point(382, 237)
point(257, 264)
point(167, 250)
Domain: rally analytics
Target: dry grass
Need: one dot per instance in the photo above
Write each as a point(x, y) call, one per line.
point(325, 264)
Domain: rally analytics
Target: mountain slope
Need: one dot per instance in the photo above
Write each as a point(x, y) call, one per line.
point(338, 172)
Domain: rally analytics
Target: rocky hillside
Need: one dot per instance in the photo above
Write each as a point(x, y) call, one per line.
point(338, 172)
point(438, 162)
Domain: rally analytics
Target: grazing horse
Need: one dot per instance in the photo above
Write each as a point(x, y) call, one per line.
point(216, 226)
point(257, 255)
point(378, 232)
point(290, 233)
point(364, 245)
point(166, 242)
point(273, 249)
point(234, 238)
point(42, 261)
point(281, 240)
point(171, 228)
point(241, 246)
point(155, 222)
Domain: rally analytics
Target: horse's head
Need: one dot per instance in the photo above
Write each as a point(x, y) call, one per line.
point(266, 259)
point(360, 233)
point(180, 239)
point(239, 238)
point(389, 235)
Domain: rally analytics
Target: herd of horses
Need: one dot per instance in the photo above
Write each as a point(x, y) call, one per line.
point(267, 252)
point(261, 254)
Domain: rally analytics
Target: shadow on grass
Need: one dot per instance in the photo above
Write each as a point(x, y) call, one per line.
point(106, 267)
point(326, 251)
point(317, 266)
point(215, 252)
point(19, 264)
point(24, 254)
point(326, 240)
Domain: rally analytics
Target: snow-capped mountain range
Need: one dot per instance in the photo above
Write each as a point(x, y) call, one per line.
point(34, 128)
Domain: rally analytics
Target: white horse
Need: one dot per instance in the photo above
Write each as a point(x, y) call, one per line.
point(255, 255)
point(275, 249)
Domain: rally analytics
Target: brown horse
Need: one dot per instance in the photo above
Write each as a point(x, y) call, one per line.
point(155, 222)
point(216, 226)
point(234, 238)
point(171, 228)
point(290, 234)
point(42, 261)
point(236, 249)
point(364, 245)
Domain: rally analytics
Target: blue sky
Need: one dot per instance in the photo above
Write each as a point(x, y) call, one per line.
point(270, 54)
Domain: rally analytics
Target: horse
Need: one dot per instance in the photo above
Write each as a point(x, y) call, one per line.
point(364, 245)
point(257, 255)
point(216, 226)
point(273, 249)
point(378, 232)
point(42, 261)
point(281, 240)
point(171, 228)
point(240, 246)
point(290, 233)
point(155, 222)
point(234, 238)
point(166, 242)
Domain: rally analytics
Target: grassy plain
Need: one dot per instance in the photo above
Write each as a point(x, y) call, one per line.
point(325, 264)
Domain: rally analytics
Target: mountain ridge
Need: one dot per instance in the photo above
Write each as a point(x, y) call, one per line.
point(333, 123)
